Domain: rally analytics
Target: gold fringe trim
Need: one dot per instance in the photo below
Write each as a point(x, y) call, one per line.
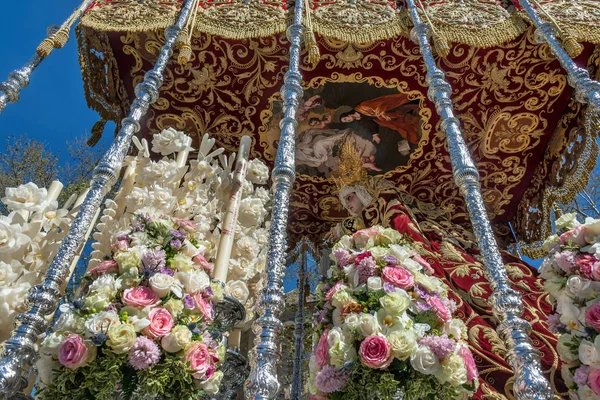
point(576, 183)
point(138, 25)
point(399, 25)
point(579, 32)
point(237, 32)
point(493, 35)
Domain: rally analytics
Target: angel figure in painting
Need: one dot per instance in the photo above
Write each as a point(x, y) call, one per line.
point(453, 255)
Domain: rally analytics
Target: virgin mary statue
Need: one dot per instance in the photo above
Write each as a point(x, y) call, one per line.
point(452, 252)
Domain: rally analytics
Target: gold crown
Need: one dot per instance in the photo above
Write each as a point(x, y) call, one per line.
point(350, 170)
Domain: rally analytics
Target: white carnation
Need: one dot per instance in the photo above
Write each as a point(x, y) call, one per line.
point(170, 141)
point(252, 212)
point(11, 237)
point(258, 172)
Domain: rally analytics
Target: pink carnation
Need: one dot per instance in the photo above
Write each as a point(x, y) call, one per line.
point(200, 261)
point(161, 323)
point(322, 350)
point(398, 276)
point(331, 379)
point(470, 365)
point(73, 352)
point(143, 353)
point(440, 308)
point(204, 307)
point(140, 296)
point(375, 352)
point(592, 316)
point(333, 290)
point(105, 267)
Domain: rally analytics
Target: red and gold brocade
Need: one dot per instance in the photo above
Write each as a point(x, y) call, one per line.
point(452, 253)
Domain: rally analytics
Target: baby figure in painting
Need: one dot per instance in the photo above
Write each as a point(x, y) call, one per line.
point(372, 201)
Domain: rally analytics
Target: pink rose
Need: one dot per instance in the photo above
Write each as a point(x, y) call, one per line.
point(204, 306)
point(398, 276)
point(199, 358)
point(585, 265)
point(161, 323)
point(594, 380)
point(73, 352)
point(575, 236)
point(186, 224)
point(322, 351)
point(470, 365)
point(105, 267)
point(201, 262)
point(375, 352)
point(440, 308)
point(596, 271)
point(592, 316)
point(333, 290)
point(140, 296)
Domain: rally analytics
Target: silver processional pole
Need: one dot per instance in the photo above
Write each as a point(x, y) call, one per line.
point(20, 349)
point(507, 304)
point(587, 91)
point(262, 382)
point(10, 89)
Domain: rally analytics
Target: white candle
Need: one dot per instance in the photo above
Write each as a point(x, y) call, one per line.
point(126, 187)
point(54, 190)
point(235, 338)
point(231, 214)
point(183, 155)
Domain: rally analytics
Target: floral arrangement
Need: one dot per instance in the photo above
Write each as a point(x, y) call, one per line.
point(143, 322)
point(29, 238)
point(571, 274)
point(385, 326)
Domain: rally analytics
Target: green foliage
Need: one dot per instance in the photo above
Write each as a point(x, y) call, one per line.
point(430, 318)
point(366, 384)
point(171, 379)
point(427, 387)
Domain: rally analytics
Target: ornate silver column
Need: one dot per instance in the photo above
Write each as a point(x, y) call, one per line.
point(262, 382)
point(20, 349)
point(19, 79)
point(587, 91)
point(507, 304)
point(296, 392)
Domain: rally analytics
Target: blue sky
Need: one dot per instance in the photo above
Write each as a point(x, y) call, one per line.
point(52, 108)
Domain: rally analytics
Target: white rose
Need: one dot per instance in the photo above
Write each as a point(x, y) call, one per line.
point(452, 370)
point(162, 198)
point(211, 385)
point(105, 284)
point(400, 252)
point(258, 172)
point(193, 281)
point(69, 322)
point(352, 321)
point(403, 343)
point(163, 284)
point(589, 353)
point(369, 325)
point(374, 283)
point(578, 286)
point(170, 141)
point(7, 273)
point(252, 212)
point(238, 290)
point(100, 322)
point(161, 172)
point(550, 242)
point(567, 221)
point(28, 197)
point(179, 338)
point(564, 350)
point(11, 237)
point(424, 361)
point(591, 229)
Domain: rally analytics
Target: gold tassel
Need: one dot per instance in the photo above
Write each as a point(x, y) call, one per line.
point(60, 38)
point(45, 48)
point(572, 46)
point(440, 44)
point(97, 131)
point(182, 39)
point(185, 54)
point(314, 55)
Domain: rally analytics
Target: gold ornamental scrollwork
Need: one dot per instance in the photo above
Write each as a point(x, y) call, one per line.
point(131, 15)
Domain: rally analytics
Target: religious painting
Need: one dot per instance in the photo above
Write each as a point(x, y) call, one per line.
point(383, 125)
